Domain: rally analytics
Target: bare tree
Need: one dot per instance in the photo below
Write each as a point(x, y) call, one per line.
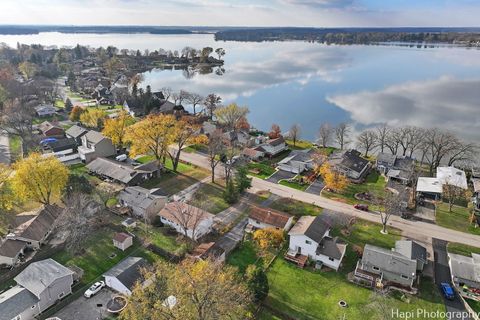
point(17, 119)
point(393, 203)
point(216, 148)
point(367, 141)
point(212, 101)
point(187, 217)
point(392, 141)
point(452, 193)
point(194, 99)
point(382, 136)
point(342, 132)
point(325, 134)
point(167, 92)
point(294, 133)
point(440, 144)
point(462, 152)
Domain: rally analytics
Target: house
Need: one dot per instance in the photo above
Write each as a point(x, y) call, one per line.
point(395, 168)
point(433, 187)
point(351, 164)
point(253, 154)
point(76, 132)
point(121, 172)
point(186, 219)
point(47, 129)
point(144, 203)
point(273, 147)
point(37, 229)
point(466, 274)
point(94, 145)
point(45, 110)
point(63, 146)
point(11, 251)
point(397, 268)
point(123, 276)
point(240, 137)
point(261, 218)
point(476, 193)
point(297, 162)
point(38, 287)
point(122, 241)
point(310, 239)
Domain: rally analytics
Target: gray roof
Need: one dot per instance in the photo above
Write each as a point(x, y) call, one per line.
point(113, 169)
point(15, 301)
point(41, 274)
point(76, 131)
point(463, 267)
point(411, 249)
point(167, 106)
point(298, 155)
point(332, 247)
point(386, 157)
point(312, 227)
point(94, 136)
point(139, 197)
point(41, 224)
point(388, 260)
point(127, 271)
point(11, 247)
point(353, 161)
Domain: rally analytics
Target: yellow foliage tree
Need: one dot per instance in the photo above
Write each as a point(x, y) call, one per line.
point(76, 113)
point(116, 128)
point(27, 69)
point(93, 118)
point(6, 195)
point(39, 178)
point(153, 135)
point(333, 179)
point(268, 238)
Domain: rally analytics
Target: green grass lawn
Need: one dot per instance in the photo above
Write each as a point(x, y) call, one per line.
point(95, 259)
point(299, 145)
point(374, 184)
point(159, 237)
point(59, 103)
point(210, 198)
point(196, 148)
point(80, 169)
point(15, 147)
point(260, 170)
point(463, 249)
point(264, 314)
point(295, 207)
point(326, 151)
point(294, 184)
point(458, 219)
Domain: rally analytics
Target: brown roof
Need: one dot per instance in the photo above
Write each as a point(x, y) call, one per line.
point(276, 142)
point(250, 152)
point(36, 228)
point(46, 126)
point(201, 249)
point(10, 248)
point(268, 216)
point(121, 236)
point(184, 214)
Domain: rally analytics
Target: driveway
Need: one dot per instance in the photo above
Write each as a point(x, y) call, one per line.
point(94, 308)
point(229, 215)
point(442, 274)
point(281, 175)
point(316, 187)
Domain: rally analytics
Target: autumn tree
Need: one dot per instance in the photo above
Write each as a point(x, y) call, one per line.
point(39, 178)
point(93, 118)
point(268, 238)
point(367, 141)
point(152, 135)
point(230, 115)
point(325, 135)
point(215, 148)
point(76, 113)
point(275, 131)
point(7, 196)
point(294, 133)
point(203, 290)
point(116, 128)
point(342, 133)
point(211, 102)
point(27, 69)
point(333, 179)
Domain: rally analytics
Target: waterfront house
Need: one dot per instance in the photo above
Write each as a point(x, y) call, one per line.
point(351, 164)
point(297, 161)
point(396, 168)
point(433, 187)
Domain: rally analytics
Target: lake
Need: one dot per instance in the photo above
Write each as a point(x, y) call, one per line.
point(311, 83)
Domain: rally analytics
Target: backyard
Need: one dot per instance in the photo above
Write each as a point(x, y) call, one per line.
point(458, 219)
point(160, 237)
point(209, 197)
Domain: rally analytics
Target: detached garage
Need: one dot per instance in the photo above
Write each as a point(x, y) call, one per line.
point(125, 274)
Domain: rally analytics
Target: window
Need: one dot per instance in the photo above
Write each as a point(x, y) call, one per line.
point(331, 259)
point(308, 242)
point(61, 295)
point(376, 268)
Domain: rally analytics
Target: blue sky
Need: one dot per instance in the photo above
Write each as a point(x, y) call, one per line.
point(319, 13)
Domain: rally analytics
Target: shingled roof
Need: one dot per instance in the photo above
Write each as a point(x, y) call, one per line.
point(312, 227)
point(39, 225)
point(268, 216)
point(128, 271)
point(11, 247)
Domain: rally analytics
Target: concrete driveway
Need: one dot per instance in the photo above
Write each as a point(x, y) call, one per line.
point(280, 175)
point(316, 187)
point(94, 308)
point(442, 274)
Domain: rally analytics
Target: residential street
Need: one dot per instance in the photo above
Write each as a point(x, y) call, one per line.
point(408, 226)
point(442, 274)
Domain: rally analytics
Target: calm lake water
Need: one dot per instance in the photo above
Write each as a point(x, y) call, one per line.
point(311, 83)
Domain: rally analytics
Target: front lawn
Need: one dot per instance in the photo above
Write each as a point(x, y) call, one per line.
point(299, 144)
point(209, 197)
point(260, 170)
point(374, 184)
point(463, 249)
point(196, 148)
point(295, 207)
point(15, 147)
point(458, 219)
point(294, 184)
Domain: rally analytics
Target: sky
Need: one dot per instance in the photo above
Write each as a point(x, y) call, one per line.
point(314, 13)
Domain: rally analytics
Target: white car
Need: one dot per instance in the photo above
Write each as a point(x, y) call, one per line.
point(97, 286)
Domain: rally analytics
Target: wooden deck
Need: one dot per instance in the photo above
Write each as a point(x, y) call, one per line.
point(299, 259)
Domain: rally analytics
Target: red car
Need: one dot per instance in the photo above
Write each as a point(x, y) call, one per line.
point(362, 207)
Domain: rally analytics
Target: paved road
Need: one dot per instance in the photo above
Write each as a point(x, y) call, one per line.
point(408, 226)
point(442, 274)
point(4, 149)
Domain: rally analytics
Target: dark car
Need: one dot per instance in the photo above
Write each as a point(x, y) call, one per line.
point(362, 207)
point(447, 291)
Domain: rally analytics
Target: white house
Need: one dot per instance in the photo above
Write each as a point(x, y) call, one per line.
point(94, 145)
point(261, 218)
point(433, 187)
point(297, 162)
point(122, 241)
point(272, 147)
point(11, 250)
point(123, 276)
point(45, 110)
point(188, 220)
point(310, 237)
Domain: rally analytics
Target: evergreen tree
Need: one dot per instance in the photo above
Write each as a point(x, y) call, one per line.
point(257, 282)
point(230, 195)
point(242, 181)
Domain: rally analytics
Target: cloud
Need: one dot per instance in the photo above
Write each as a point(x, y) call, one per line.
point(445, 103)
point(322, 3)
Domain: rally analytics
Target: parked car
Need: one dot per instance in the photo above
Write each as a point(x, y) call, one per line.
point(447, 291)
point(94, 289)
point(362, 207)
